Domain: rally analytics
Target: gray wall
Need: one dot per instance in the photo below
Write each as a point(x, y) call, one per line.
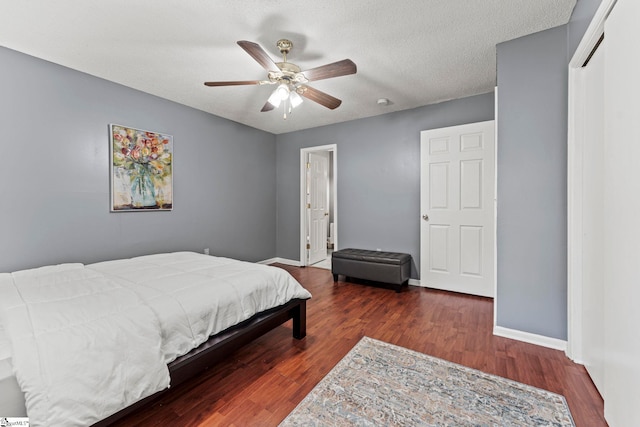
point(54, 179)
point(532, 176)
point(532, 184)
point(378, 175)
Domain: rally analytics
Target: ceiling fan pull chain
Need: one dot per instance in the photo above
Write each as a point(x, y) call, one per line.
point(284, 107)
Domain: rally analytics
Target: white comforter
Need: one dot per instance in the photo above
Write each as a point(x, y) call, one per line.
point(196, 295)
point(72, 326)
point(71, 329)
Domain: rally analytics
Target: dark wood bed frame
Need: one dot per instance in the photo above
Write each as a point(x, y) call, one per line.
point(221, 345)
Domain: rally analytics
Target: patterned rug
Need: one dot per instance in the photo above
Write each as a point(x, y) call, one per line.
point(380, 384)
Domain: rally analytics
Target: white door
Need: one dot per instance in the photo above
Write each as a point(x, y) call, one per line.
point(317, 197)
point(593, 219)
point(457, 208)
point(621, 207)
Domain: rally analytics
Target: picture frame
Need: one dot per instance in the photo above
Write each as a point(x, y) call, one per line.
point(141, 169)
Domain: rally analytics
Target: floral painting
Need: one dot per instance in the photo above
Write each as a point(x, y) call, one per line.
point(141, 170)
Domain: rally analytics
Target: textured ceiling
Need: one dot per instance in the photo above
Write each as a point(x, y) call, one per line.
point(413, 52)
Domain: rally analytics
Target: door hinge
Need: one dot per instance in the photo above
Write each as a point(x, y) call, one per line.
point(308, 246)
point(308, 165)
point(308, 205)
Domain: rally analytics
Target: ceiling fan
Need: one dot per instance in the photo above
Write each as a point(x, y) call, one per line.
point(291, 81)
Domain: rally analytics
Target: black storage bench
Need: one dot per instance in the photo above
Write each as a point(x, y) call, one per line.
point(386, 267)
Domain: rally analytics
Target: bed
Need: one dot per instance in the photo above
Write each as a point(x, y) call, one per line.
point(87, 344)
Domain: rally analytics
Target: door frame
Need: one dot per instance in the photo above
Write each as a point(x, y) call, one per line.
point(304, 225)
point(576, 113)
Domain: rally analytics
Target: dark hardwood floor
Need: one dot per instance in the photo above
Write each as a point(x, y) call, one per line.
point(266, 379)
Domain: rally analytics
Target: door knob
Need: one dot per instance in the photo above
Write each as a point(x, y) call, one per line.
point(425, 217)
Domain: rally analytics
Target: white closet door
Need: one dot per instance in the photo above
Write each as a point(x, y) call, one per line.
point(621, 218)
point(593, 220)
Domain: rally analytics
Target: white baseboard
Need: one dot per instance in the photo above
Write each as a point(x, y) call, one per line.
point(528, 337)
point(281, 261)
point(540, 340)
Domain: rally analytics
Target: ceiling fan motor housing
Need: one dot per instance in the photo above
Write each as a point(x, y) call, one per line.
point(284, 45)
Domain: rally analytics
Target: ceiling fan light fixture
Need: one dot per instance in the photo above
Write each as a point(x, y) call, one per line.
point(295, 99)
point(283, 91)
point(275, 98)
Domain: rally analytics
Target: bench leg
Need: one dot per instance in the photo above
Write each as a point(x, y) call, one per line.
point(335, 277)
point(399, 287)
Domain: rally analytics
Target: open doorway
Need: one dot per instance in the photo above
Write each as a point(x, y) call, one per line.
point(318, 205)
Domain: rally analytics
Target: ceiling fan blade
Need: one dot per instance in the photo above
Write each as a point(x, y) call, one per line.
point(320, 97)
point(336, 69)
point(234, 83)
point(259, 55)
point(267, 107)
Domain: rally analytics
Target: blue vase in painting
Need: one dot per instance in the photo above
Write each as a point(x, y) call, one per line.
point(142, 189)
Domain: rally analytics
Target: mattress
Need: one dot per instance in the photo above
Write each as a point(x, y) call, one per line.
point(12, 399)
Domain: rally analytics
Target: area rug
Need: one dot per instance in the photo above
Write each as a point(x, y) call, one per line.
point(380, 384)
